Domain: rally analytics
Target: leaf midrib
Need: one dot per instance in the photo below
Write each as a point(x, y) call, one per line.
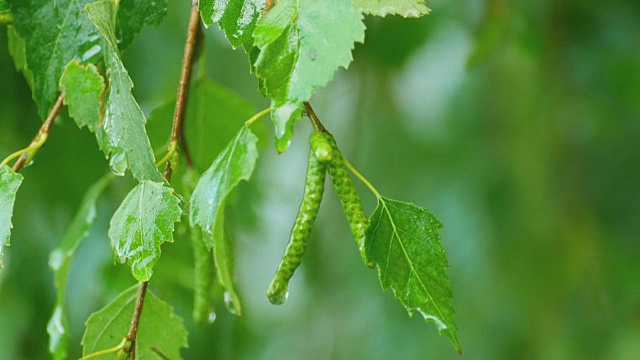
point(406, 255)
point(64, 22)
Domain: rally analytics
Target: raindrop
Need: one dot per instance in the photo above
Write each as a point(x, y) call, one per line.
point(212, 318)
point(230, 304)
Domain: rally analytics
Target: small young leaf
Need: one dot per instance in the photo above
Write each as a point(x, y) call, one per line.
point(133, 15)
point(236, 17)
point(54, 32)
point(124, 121)
point(9, 184)
point(406, 8)
point(403, 241)
point(144, 221)
point(235, 163)
point(161, 333)
point(83, 86)
point(60, 260)
point(302, 44)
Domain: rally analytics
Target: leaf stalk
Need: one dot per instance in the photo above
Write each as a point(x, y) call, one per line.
point(26, 155)
point(257, 116)
point(106, 351)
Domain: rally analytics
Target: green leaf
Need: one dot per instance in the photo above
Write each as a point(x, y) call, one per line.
point(84, 87)
point(133, 15)
point(302, 45)
point(237, 18)
point(206, 130)
point(403, 240)
point(60, 261)
point(17, 50)
point(161, 333)
point(124, 121)
point(223, 256)
point(9, 184)
point(406, 8)
point(235, 163)
point(142, 223)
point(54, 32)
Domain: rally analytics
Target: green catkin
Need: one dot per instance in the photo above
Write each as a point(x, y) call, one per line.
point(313, 189)
point(349, 198)
point(321, 147)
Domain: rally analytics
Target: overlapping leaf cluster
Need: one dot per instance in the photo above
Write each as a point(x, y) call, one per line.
point(56, 44)
point(296, 46)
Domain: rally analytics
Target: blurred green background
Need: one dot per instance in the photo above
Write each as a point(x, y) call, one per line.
point(517, 123)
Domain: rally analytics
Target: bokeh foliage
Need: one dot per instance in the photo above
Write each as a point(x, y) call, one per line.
point(516, 123)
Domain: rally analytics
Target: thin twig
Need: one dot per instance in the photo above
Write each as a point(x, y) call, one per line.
point(135, 320)
point(168, 171)
point(185, 78)
point(176, 131)
point(314, 118)
point(44, 131)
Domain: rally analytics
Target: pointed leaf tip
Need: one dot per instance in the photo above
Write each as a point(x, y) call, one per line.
point(403, 240)
point(143, 222)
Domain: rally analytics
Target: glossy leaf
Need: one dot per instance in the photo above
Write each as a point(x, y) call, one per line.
point(403, 241)
point(4, 7)
point(161, 333)
point(142, 223)
point(133, 15)
point(60, 261)
point(124, 122)
point(406, 8)
point(9, 184)
point(54, 32)
point(235, 163)
point(84, 87)
point(302, 44)
point(237, 18)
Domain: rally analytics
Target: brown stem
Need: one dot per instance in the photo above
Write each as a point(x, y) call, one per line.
point(168, 171)
point(185, 77)
point(177, 137)
point(135, 320)
point(44, 129)
point(314, 118)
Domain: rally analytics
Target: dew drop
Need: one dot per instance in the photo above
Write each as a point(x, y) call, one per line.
point(212, 318)
point(230, 304)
